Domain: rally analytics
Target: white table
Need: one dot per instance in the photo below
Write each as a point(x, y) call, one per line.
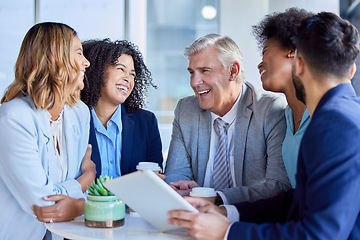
point(135, 227)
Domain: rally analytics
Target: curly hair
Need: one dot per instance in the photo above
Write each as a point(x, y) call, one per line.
point(44, 64)
point(281, 26)
point(104, 53)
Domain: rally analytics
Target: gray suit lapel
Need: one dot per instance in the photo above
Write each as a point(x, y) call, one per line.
point(204, 144)
point(241, 131)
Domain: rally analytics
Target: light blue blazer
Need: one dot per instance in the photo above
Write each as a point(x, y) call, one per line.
point(28, 169)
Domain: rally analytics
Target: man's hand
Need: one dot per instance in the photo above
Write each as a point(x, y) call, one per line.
point(210, 223)
point(205, 206)
point(183, 187)
point(64, 209)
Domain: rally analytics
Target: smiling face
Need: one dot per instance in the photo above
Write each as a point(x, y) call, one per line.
point(276, 65)
point(77, 80)
point(119, 81)
point(210, 81)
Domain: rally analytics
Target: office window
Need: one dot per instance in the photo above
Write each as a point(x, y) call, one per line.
point(350, 10)
point(161, 29)
point(90, 18)
point(172, 26)
point(16, 17)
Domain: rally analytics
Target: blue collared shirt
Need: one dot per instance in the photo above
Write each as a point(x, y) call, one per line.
point(109, 143)
point(291, 144)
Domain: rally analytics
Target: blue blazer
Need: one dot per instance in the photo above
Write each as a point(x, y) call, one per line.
point(141, 141)
point(326, 201)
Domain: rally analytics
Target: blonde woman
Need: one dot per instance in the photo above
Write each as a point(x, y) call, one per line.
point(45, 163)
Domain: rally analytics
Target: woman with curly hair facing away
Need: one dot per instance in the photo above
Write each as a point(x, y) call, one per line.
point(45, 163)
point(276, 36)
point(121, 132)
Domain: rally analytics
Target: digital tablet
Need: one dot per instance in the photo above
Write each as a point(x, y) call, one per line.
point(150, 196)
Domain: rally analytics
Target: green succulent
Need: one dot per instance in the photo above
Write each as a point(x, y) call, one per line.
point(98, 189)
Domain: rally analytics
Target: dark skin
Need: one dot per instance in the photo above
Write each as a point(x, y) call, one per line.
point(275, 69)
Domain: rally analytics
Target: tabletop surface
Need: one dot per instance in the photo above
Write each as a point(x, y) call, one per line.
point(135, 227)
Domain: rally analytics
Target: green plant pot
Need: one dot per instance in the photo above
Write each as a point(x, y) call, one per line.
point(104, 212)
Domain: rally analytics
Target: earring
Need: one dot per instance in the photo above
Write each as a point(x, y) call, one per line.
point(289, 54)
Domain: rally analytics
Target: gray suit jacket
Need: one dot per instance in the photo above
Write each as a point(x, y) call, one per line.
point(259, 133)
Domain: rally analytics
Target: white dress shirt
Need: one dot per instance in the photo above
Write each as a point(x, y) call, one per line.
point(229, 117)
point(57, 130)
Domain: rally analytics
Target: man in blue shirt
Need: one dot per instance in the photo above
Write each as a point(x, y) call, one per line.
point(325, 203)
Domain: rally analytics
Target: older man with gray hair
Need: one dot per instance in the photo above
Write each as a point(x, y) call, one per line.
point(229, 135)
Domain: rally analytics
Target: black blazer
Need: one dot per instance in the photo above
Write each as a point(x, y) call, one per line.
point(141, 141)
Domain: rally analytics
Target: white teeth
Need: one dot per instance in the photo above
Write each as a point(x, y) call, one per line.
point(122, 88)
point(262, 72)
point(205, 91)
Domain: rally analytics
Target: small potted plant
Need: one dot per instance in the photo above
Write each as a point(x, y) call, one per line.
point(102, 208)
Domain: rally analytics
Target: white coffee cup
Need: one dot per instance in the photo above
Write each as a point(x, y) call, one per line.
point(205, 193)
point(153, 166)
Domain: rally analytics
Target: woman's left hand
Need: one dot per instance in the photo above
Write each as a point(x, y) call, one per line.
point(65, 209)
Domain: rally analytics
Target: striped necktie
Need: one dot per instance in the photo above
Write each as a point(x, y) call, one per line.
point(221, 176)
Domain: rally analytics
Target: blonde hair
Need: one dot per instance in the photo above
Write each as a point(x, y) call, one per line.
point(44, 65)
point(228, 51)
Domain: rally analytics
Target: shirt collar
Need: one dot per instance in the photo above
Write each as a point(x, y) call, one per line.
point(115, 119)
point(230, 116)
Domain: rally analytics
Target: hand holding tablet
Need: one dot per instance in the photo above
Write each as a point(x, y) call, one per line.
point(149, 196)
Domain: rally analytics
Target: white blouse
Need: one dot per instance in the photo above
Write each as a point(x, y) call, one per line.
point(57, 130)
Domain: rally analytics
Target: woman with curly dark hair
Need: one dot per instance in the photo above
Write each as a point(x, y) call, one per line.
point(121, 132)
point(276, 36)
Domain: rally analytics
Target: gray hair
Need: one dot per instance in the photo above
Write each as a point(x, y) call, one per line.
point(229, 51)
